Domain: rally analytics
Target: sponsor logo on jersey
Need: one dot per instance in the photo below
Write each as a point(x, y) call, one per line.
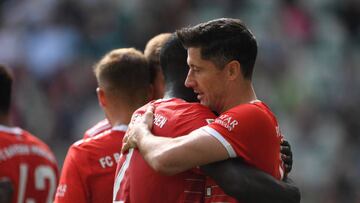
point(61, 190)
point(227, 121)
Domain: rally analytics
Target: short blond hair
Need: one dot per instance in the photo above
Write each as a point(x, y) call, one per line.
point(126, 72)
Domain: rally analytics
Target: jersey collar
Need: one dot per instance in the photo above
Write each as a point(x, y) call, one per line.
point(121, 127)
point(11, 130)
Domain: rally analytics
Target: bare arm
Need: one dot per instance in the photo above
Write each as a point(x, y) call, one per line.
point(245, 183)
point(166, 155)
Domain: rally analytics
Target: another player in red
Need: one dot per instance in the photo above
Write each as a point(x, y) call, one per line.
point(26, 163)
point(88, 173)
point(221, 56)
point(151, 52)
point(136, 181)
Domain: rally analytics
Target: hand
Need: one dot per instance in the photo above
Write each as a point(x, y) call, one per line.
point(286, 156)
point(141, 127)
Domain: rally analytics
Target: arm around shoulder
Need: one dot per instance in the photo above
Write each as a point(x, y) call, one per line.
point(248, 184)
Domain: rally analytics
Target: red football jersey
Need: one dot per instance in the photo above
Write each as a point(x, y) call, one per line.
point(89, 168)
point(30, 165)
point(98, 128)
point(251, 132)
point(136, 182)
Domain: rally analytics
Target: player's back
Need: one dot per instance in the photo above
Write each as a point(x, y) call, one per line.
point(89, 168)
point(140, 183)
point(30, 165)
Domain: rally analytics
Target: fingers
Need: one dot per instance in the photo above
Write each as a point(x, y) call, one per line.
point(286, 159)
point(287, 168)
point(125, 147)
point(148, 116)
point(285, 143)
point(150, 108)
point(137, 127)
point(286, 150)
point(149, 113)
point(286, 155)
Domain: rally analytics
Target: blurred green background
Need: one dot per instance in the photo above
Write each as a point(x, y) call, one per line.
point(307, 71)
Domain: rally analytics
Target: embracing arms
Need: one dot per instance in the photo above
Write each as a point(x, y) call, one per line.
point(248, 184)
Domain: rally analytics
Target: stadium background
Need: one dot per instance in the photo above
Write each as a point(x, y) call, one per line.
point(307, 71)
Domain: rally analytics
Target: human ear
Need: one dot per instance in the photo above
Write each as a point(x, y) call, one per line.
point(233, 69)
point(101, 96)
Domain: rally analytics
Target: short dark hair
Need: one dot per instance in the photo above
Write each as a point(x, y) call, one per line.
point(124, 72)
point(6, 80)
point(175, 69)
point(221, 41)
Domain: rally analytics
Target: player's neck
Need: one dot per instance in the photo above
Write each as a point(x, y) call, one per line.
point(181, 92)
point(120, 116)
point(246, 94)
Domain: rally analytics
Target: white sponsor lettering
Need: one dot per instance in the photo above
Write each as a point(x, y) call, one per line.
point(24, 150)
point(109, 161)
point(61, 190)
point(106, 161)
point(227, 121)
point(159, 120)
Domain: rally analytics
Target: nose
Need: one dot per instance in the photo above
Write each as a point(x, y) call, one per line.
point(189, 81)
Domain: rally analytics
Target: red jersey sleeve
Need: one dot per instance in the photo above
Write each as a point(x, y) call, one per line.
point(71, 185)
point(249, 132)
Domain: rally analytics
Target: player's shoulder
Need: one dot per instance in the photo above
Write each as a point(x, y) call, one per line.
point(253, 111)
point(102, 139)
point(97, 128)
point(19, 135)
point(251, 107)
point(89, 140)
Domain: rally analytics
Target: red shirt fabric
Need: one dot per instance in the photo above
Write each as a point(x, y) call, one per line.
point(249, 131)
point(89, 168)
point(30, 165)
point(135, 180)
point(98, 128)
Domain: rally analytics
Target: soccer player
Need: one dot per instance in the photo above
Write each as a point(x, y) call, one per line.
point(151, 52)
point(123, 78)
point(137, 182)
point(221, 57)
point(26, 163)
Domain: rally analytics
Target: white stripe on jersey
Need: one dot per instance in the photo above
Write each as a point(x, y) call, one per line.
point(120, 176)
point(221, 139)
point(11, 130)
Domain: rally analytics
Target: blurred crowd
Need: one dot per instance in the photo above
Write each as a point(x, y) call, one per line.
point(308, 71)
